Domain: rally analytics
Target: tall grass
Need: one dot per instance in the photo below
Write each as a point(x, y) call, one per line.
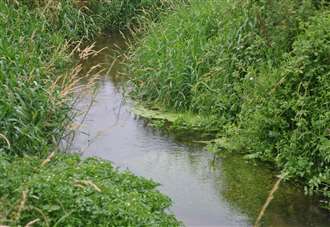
point(31, 58)
point(193, 58)
point(36, 37)
point(259, 67)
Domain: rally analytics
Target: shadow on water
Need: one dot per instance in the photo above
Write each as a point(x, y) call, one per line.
point(228, 192)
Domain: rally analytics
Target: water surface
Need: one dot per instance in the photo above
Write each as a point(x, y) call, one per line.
point(227, 191)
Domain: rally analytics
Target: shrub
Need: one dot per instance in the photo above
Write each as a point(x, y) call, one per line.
point(287, 116)
point(34, 110)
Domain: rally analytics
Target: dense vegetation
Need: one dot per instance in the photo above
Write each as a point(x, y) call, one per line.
point(259, 68)
point(258, 71)
point(34, 58)
point(35, 85)
point(70, 192)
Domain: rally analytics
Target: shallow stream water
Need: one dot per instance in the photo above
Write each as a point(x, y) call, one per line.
point(227, 191)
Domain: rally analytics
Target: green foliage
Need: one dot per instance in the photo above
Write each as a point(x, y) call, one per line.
point(79, 18)
point(34, 62)
point(69, 191)
point(164, 65)
point(69, 17)
point(260, 68)
point(122, 14)
point(34, 54)
point(196, 58)
point(30, 57)
point(287, 116)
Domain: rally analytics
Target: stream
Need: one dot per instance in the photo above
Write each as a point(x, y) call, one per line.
point(227, 191)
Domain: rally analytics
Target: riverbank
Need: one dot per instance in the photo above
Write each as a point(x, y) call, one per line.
point(226, 190)
point(46, 188)
point(38, 76)
point(260, 75)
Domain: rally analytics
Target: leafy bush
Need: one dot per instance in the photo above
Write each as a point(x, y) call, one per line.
point(69, 191)
point(287, 116)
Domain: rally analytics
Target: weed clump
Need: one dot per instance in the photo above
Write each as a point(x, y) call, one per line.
point(287, 119)
point(194, 58)
point(68, 191)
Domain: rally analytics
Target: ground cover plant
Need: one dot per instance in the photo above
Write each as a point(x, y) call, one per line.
point(258, 68)
point(68, 191)
point(36, 81)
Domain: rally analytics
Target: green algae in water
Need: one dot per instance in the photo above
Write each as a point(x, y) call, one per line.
point(186, 122)
point(160, 114)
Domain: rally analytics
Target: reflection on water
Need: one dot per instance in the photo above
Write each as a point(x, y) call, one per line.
point(246, 185)
point(227, 192)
